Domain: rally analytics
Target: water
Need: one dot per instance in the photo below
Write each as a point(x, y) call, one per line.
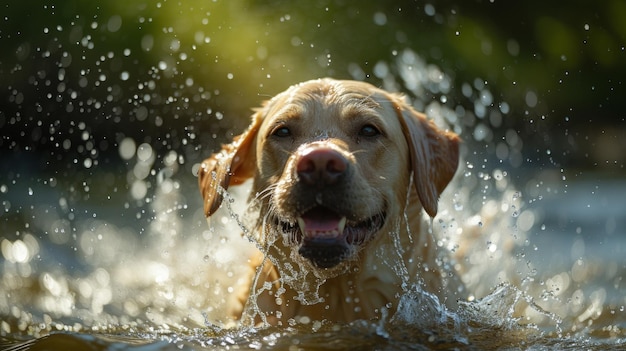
point(110, 288)
point(110, 260)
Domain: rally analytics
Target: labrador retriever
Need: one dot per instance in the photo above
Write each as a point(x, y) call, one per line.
point(341, 173)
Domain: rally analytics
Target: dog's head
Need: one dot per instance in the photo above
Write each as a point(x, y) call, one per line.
point(331, 162)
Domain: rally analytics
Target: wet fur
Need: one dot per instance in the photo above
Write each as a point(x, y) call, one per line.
point(401, 173)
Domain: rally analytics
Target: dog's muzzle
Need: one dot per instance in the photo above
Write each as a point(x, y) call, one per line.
point(324, 226)
point(326, 238)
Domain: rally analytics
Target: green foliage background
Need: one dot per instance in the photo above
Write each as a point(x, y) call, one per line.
point(184, 74)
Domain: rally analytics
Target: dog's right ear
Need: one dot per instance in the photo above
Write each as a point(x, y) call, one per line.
point(233, 165)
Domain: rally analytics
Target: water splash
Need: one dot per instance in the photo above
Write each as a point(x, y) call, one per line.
point(478, 241)
point(86, 275)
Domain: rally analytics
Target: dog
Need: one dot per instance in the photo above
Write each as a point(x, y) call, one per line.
point(341, 174)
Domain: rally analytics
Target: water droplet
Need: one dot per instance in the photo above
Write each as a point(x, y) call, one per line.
point(380, 18)
point(319, 198)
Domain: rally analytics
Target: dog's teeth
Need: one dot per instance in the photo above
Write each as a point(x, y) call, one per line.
point(301, 224)
point(342, 225)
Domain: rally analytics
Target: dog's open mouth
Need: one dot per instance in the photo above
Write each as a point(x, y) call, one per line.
point(325, 236)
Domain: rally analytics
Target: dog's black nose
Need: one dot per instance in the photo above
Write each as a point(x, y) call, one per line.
point(324, 253)
point(321, 166)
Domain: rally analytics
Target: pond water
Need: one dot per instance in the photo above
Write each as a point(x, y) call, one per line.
point(114, 252)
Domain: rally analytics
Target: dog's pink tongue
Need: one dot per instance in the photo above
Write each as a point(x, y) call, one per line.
point(321, 222)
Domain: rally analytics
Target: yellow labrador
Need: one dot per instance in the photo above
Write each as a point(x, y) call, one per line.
point(341, 173)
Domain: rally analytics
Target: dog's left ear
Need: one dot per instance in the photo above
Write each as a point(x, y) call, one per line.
point(233, 165)
point(434, 154)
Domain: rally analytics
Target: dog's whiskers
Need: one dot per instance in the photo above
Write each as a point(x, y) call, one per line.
point(266, 193)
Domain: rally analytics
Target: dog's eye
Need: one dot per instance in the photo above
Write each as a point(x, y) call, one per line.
point(369, 130)
point(281, 132)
